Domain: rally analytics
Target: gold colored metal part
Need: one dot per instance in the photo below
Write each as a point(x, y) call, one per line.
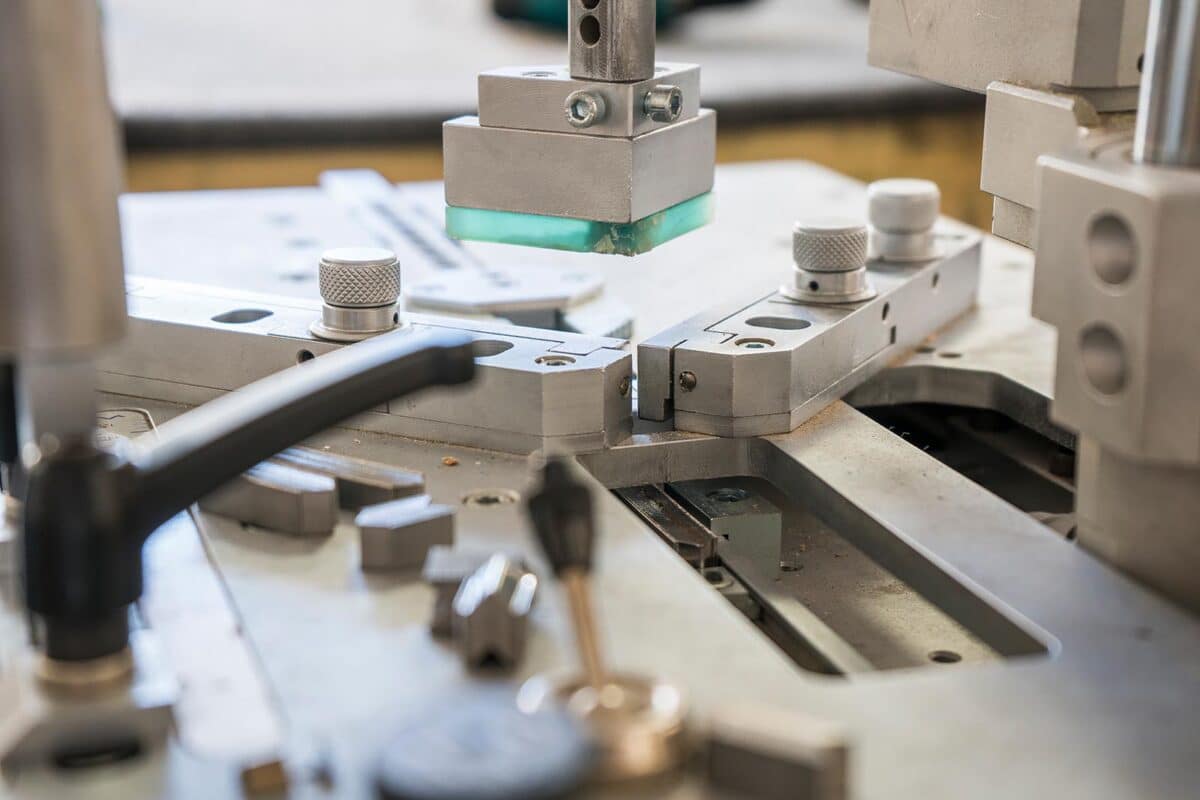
point(640, 723)
point(579, 598)
point(96, 673)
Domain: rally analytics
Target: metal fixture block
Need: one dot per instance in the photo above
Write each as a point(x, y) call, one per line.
point(491, 612)
point(595, 178)
point(1116, 258)
point(766, 365)
point(1022, 124)
point(749, 524)
point(399, 534)
point(768, 755)
point(564, 389)
point(531, 98)
point(278, 498)
point(359, 482)
point(445, 569)
point(67, 723)
point(1075, 43)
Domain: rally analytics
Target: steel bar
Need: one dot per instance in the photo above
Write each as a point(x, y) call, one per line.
point(1168, 129)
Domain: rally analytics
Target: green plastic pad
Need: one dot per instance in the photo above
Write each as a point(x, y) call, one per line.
point(580, 235)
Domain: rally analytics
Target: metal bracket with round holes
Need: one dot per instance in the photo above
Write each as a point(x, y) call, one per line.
point(766, 364)
point(189, 343)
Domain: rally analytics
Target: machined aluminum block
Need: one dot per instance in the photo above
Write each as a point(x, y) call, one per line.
point(596, 178)
point(1116, 274)
point(533, 98)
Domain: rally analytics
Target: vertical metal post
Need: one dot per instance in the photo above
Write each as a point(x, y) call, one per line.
point(612, 40)
point(61, 277)
point(1168, 127)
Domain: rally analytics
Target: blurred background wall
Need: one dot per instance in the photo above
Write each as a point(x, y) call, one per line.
point(238, 93)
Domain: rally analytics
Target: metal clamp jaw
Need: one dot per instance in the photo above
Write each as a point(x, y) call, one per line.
point(87, 513)
point(611, 153)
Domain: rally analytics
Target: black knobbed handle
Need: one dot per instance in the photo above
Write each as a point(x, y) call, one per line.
point(561, 512)
point(88, 513)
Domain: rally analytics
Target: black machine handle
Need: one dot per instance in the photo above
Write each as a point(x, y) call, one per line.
point(88, 513)
point(199, 451)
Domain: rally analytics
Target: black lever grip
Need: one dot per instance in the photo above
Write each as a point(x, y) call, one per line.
point(88, 513)
point(199, 451)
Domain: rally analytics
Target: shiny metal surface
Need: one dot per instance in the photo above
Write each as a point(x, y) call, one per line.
point(1168, 127)
point(399, 534)
point(570, 386)
point(612, 40)
point(532, 97)
point(605, 179)
point(278, 498)
point(490, 614)
point(61, 274)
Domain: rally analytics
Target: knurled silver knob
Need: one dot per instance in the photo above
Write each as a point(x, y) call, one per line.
point(829, 245)
point(359, 276)
point(830, 257)
point(360, 287)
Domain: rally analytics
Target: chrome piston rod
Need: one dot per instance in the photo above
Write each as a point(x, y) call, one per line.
point(1168, 129)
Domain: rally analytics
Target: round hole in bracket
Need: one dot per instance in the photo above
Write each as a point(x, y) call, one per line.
point(779, 323)
point(945, 657)
point(554, 360)
point(1102, 356)
point(1112, 249)
point(751, 343)
point(486, 348)
point(242, 316)
point(589, 30)
point(728, 494)
point(490, 497)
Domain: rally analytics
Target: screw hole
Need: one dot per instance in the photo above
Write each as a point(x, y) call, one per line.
point(554, 361)
point(813, 286)
point(490, 497)
point(242, 316)
point(589, 30)
point(945, 657)
point(755, 344)
point(715, 576)
point(728, 494)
